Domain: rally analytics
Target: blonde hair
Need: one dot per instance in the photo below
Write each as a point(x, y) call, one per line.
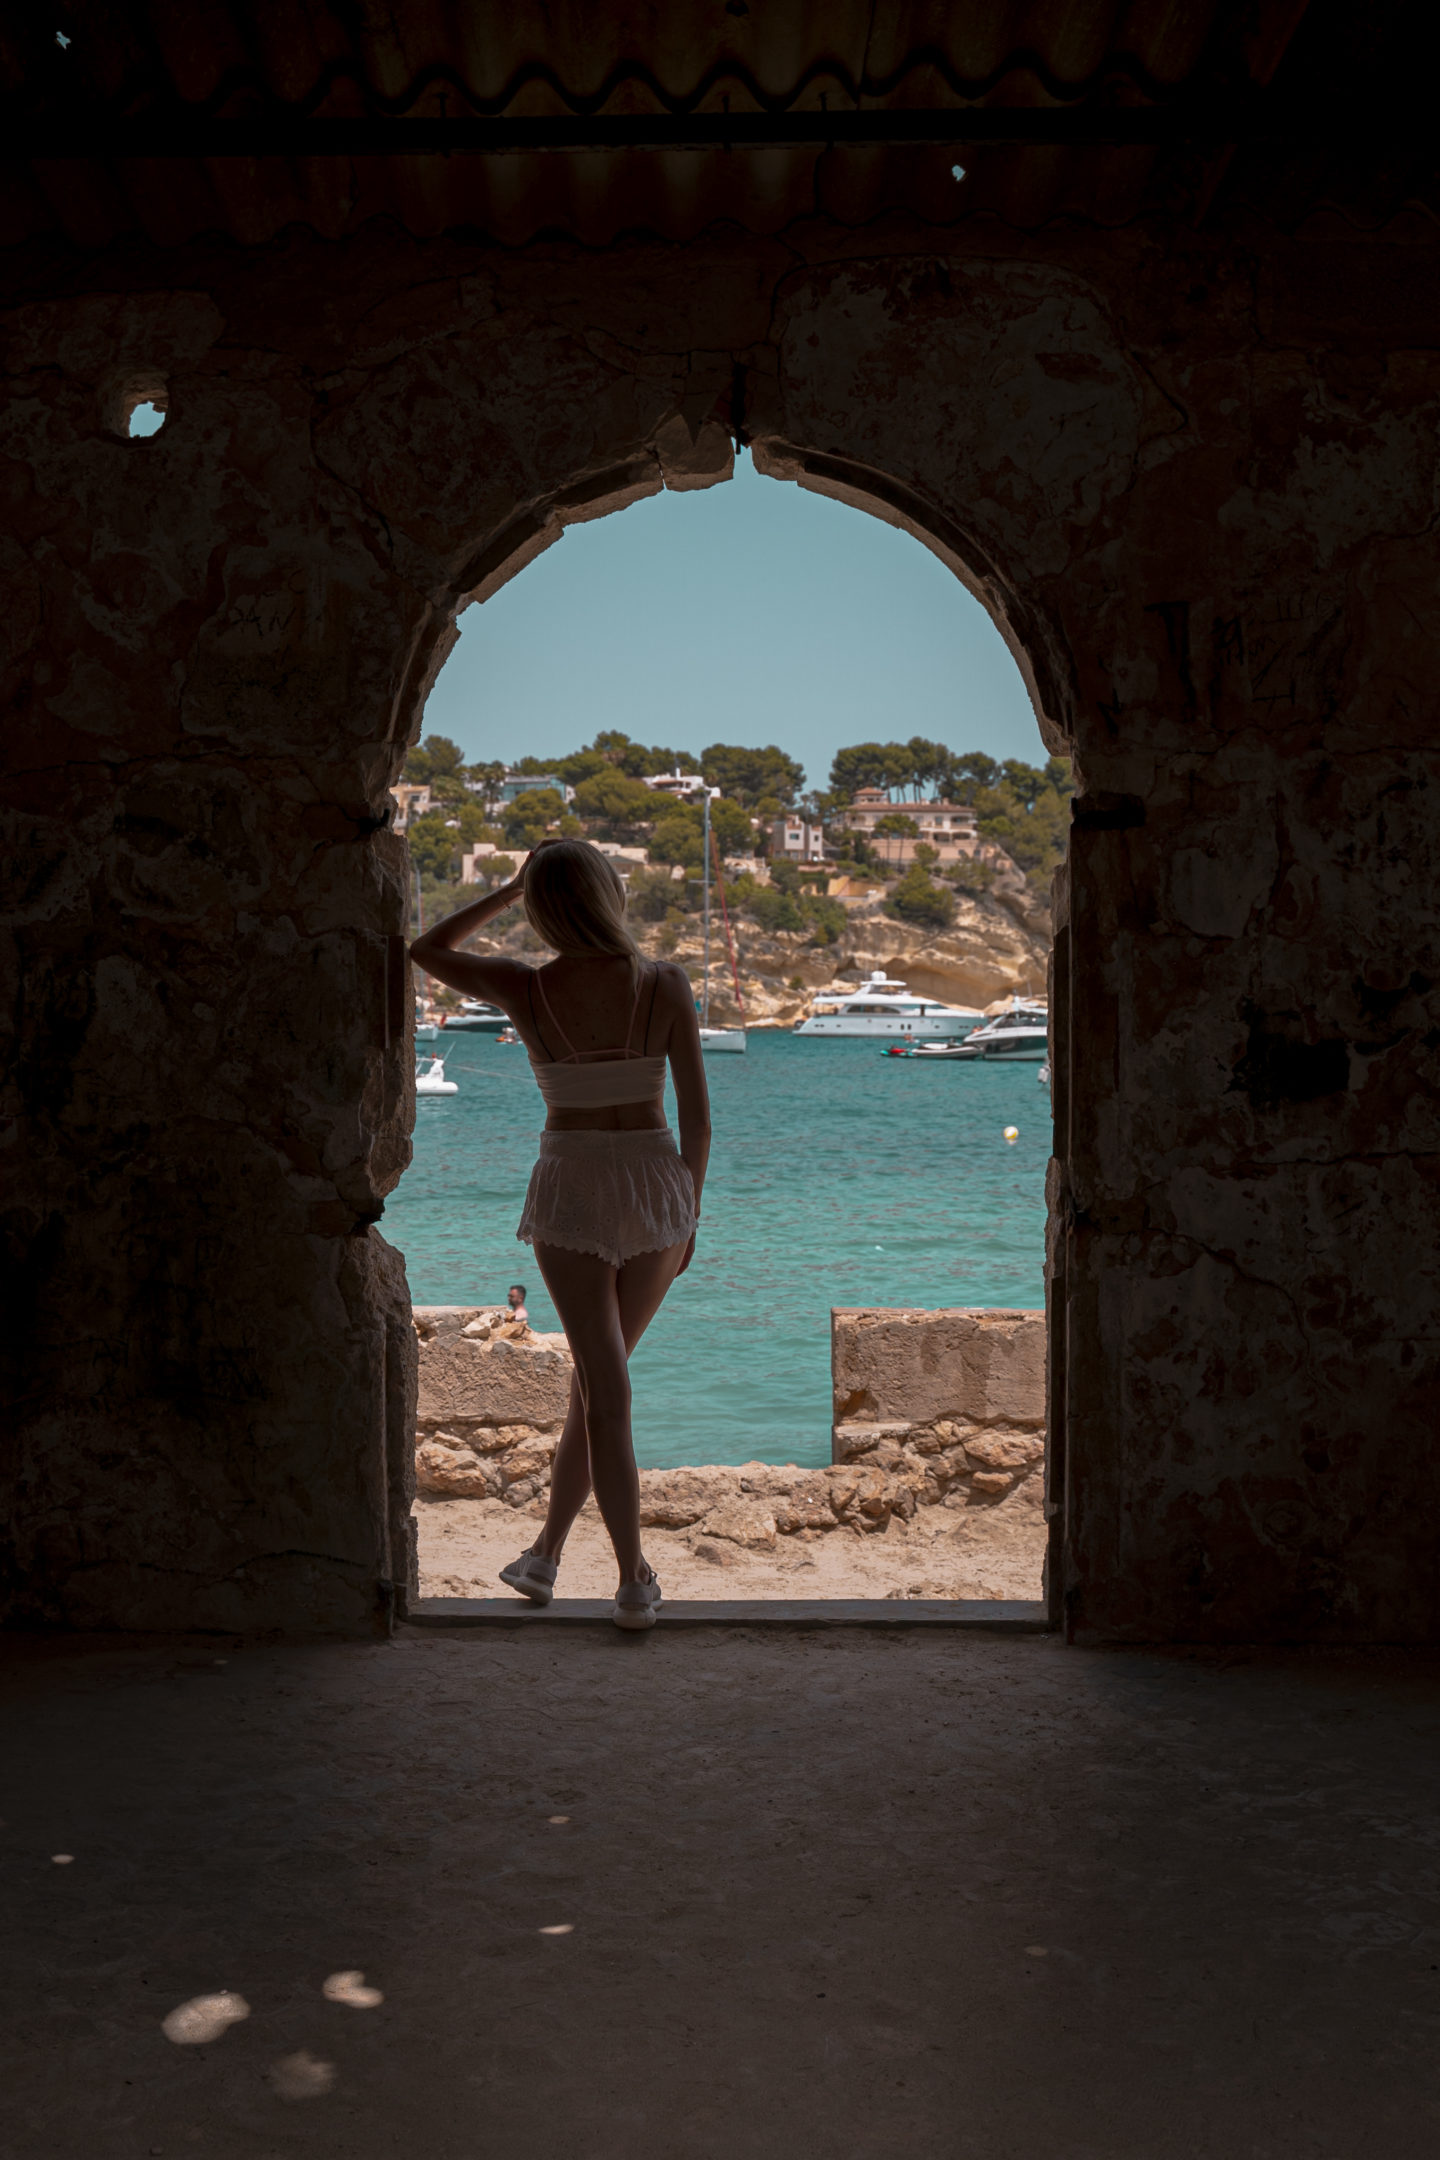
point(575, 901)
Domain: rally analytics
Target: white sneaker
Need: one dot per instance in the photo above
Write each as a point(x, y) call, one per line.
point(532, 1577)
point(637, 1603)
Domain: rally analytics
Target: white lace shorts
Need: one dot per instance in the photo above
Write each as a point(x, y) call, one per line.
point(614, 1194)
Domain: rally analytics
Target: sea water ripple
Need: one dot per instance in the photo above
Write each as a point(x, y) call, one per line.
point(839, 1176)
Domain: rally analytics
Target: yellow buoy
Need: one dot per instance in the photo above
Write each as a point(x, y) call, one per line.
point(1012, 1134)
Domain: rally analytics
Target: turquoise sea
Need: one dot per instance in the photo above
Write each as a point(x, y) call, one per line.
point(839, 1176)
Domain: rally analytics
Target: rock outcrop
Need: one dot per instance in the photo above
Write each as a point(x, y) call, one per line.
point(998, 944)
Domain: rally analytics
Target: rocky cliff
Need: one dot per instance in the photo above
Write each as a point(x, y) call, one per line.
point(999, 943)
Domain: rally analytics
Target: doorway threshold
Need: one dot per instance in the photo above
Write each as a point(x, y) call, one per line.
point(995, 1616)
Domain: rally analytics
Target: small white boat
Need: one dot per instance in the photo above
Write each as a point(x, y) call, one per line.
point(1043, 1076)
point(426, 1030)
point(934, 1052)
point(432, 1081)
point(722, 1038)
point(884, 1008)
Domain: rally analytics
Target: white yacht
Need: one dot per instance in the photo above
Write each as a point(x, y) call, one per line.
point(884, 1008)
point(1020, 1033)
point(476, 1016)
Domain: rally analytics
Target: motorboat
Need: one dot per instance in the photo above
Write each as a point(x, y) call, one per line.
point(1020, 1033)
point(475, 1017)
point(714, 1039)
point(882, 1007)
point(431, 1079)
point(935, 1052)
point(507, 1038)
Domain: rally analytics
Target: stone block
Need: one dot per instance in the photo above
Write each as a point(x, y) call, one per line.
point(492, 1381)
point(898, 1369)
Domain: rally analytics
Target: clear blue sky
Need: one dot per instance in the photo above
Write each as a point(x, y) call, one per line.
point(753, 612)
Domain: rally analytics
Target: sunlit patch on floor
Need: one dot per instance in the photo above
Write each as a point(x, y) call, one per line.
point(204, 2018)
point(301, 2076)
point(349, 1987)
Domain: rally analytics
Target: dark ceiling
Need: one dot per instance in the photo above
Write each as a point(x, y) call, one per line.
point(173, 118)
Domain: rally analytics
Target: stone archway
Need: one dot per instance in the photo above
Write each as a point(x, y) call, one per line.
point(231, 628)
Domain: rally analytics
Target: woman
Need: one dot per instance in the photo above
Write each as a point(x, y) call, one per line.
point(612, 1205)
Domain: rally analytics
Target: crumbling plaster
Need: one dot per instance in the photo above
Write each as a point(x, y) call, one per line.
point(1193, 478)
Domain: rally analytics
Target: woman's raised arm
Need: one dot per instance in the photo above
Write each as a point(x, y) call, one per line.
point(435, 949)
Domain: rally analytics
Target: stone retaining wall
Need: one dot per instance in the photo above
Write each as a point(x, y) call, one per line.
point(931, 1409)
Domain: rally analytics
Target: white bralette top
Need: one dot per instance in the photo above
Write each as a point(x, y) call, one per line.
point(599, 1079)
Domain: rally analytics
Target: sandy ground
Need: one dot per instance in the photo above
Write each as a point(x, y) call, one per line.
point(992, 1553)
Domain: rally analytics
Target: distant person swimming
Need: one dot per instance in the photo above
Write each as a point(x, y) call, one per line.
point(613, 1203)
point(515, 1299)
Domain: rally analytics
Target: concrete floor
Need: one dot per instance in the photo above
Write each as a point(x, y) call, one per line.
point(808, 1881)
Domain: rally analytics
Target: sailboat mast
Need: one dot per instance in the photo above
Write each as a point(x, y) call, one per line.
point(705, 1003)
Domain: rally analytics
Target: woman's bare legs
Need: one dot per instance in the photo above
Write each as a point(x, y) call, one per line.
point(604, 1312)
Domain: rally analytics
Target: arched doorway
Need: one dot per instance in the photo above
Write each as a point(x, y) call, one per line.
point(840, 1179)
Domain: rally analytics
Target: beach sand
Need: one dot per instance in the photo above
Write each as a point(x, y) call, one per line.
point(989, 1553)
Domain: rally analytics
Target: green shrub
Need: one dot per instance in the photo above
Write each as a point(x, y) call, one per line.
point(650, 895)
point(615, 797)
point(970, 876)
point(918, 899)
point(525, 820)
point(786, 905)
point(773, 909)
point(827, 918)
point(670, 929)
point(677, 837)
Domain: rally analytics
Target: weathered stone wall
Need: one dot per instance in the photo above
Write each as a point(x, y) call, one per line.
point(1194, 477)
point(932, 1410)
point(491, 1399)
point(953, 1400)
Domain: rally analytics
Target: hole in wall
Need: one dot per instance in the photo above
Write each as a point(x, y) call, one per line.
point(134, 403)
